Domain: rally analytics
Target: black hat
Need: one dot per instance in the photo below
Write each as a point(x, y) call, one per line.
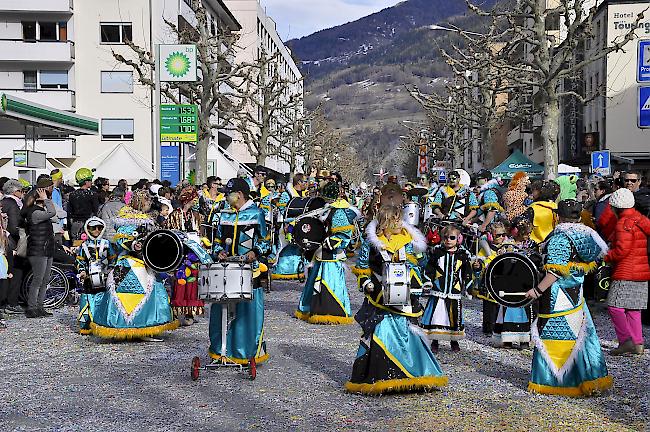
point(261, 169)
point(569, 209)
point(44, 181)
point(236, 185)
point(484, 174)
point(454, 174)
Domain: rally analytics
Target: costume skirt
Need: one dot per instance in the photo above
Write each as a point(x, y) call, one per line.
point(245, 336)
point(443, 319)
point(325, 299)
point(289, 264)
point(395, 357)
point(513, 324)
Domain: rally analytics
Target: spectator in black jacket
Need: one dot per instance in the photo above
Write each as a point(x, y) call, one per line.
point(82, 203)
point(11, 205)
point(38, 212)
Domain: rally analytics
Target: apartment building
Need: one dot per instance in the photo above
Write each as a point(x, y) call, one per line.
point(258, 33)
point(59, 54)
point(609, 120)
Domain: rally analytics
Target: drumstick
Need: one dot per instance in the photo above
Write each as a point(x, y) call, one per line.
point(503, 294)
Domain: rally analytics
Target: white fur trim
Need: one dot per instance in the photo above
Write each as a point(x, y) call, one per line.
point(419, 240)
point(371, 235)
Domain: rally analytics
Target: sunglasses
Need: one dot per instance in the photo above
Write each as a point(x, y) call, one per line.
point(631, 180)
point(94, 228)
point(454, 178)
point(451, 237)
point(500, 235)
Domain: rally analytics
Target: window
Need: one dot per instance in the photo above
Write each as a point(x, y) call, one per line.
point(49, 31)
point(54, 79)
point(29, 30)
point(115, 32)
point(117, 129)
point(29, 80)
point(117, 82)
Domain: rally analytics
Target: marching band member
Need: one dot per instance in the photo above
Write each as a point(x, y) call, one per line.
point(240, 232)
point(393, 353)
point(455, 201)
point(489, 199)
point(493, 243)
point(95, 254)
point(290, 263)
point(135, 304)
point(568, 359)
point(325, 299)
point(449, 273)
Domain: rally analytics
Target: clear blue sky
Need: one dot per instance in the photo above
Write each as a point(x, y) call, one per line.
point(297, 18)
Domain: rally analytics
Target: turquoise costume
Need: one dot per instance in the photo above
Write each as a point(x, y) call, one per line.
point(394, 354)
point(238, 233)
point(290, 263)
point(135, 303)
point(325, 299)
point(95, 251)
point(455, 205)
point(568, 359)
point(490, 200)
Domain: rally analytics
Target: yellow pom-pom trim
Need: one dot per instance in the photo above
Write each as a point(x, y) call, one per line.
point(587, 388)
point(397, 385)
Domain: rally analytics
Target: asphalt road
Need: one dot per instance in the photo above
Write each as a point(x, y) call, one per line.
point(56, 380)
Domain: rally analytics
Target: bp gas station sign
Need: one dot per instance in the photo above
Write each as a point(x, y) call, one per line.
point(177, 63)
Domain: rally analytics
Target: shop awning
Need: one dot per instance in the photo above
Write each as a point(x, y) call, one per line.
point(518, 162)
point(17, 113)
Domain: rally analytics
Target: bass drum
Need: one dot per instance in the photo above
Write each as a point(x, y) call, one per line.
point(309, 233)
point(509, 276)
point(164, 250)
point(299, 206)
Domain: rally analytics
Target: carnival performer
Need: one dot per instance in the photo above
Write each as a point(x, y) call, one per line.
point(269, 205)
point(514, 199)
point(542, 212)
point(493, 243)
point(240, 233)
point(185, 302)
point(95, 258)
point(325, 299)
point(489, 199)
point(394, 354)
point(568, 359)
point(211, 202)
point(449, 273)
point(135, 304)
point(455, 201)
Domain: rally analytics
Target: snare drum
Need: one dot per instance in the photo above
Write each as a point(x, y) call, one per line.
point(411, 213)
point(96, 280)
point(225, 282)
point(395, 284)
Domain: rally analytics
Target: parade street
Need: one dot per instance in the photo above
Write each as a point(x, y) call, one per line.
point(54, 379)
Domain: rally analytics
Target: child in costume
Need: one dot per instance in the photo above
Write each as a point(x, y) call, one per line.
point(568, 359)
point(95, 256)
point(449, 273)
point(135, 304)
point(493, 243)
point(394, 354)
point(240, 233)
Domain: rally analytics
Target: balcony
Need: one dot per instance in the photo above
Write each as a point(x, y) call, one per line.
point(37, 6)
point(18, 50)
point(63, 99)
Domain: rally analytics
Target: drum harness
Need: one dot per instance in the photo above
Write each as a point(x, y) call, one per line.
point(94, 263)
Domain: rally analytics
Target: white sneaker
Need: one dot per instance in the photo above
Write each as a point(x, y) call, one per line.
point(150, 339)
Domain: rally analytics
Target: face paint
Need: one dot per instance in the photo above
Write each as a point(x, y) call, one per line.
point(233, 197)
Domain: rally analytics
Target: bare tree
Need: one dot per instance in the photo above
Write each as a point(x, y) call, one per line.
point(539, 45)
point(262, 125)
point(221, 84)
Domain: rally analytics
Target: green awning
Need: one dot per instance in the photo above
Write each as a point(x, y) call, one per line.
point(518, 162)
point(33, 113)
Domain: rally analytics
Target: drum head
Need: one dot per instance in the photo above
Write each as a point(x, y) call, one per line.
point(309, 233)
point(163, 251)
point(509, 276)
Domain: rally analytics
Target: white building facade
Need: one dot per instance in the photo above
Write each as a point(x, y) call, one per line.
point(59, 53)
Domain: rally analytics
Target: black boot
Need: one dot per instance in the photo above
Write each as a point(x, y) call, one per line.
point(32, 313)
point(42, 312)
point(434, 346)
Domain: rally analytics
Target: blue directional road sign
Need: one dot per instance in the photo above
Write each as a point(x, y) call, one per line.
point(600, 162)
point(644, 107)
point(643, 66)
point(442, 177)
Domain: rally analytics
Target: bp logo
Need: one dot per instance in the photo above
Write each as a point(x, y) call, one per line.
point(177, 64)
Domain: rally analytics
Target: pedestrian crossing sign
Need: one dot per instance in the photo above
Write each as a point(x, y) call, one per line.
point(644, 107)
